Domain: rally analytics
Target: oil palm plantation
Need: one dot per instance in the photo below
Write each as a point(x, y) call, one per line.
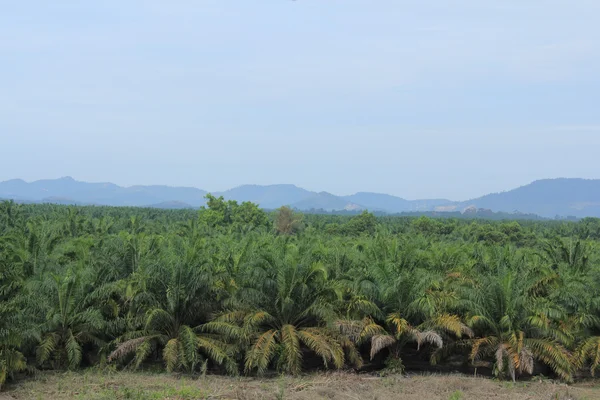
point(185, 288)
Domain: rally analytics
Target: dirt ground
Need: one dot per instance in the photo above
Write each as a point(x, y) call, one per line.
point(128, 385)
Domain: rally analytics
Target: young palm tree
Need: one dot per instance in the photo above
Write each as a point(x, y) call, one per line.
point(11, 214)
point(513, 327)
point(182, 293)
point(31, 249)
point(71, 321)
point(573, 253)
point(292, 315)
point(415, 308)
point(11, 327)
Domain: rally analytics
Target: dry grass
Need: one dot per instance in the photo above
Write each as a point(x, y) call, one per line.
point(128, 385)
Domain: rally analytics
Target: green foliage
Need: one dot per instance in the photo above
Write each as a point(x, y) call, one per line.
point(12, 328)
point(364, 223)
point(233, 289)
point(222, 213)
point(456, 395)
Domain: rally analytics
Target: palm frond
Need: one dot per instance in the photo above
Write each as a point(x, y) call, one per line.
point(478, 344)
point(171, 355)
point(290, 354)
point(452, 324)
point(380, 342)
point(46, 347)
point(227, 329)
point(127, 347)
point(324, 345)
point(400, 324)
point(552, 354)
point(261, 352)
point(589, 351)
point(352, 354)
point(73, 350)
point(142, 352)
point(526, 360)
point(431, 337)
point(218, 352)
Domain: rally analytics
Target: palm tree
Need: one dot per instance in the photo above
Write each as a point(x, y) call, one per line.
point(411, 299)
point(513, 327)
point(11, 326)
point(11, 214)
point(71, 321)
point(32, 248)
point(182, 291)
point(573, 253)
point(292, 315)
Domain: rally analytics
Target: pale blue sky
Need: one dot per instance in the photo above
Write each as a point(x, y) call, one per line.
point(413, 98)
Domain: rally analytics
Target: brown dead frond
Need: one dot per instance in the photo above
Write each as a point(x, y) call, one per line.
point(430, 337)
point(379, 342)
point(126, 347)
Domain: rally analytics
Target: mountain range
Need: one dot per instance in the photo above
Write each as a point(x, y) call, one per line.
point(548, 198)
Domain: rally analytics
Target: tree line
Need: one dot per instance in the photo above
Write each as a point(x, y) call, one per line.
point(233, 289)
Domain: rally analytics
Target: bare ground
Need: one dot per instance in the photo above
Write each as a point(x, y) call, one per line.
point(128, 385)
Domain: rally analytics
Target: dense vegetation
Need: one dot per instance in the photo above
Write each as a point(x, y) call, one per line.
point(235, 290)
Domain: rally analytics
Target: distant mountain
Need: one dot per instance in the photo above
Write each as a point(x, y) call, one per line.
point(171, 205)
point(548, 198)
point(393, 204)
point(69, 191)
point(326, 201)
point(149, 195)
point(61, 200)
point(270, 196)
point(379, 202)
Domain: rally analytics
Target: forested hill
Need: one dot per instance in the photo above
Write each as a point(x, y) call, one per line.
point(548, 198)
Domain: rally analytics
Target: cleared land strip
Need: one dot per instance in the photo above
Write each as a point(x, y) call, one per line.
point(128, 385)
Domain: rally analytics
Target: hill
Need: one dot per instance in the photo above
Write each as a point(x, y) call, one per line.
point(69, 191)
point(393, 204)
point(548, 198)
point(270, 196)
point(328, 202)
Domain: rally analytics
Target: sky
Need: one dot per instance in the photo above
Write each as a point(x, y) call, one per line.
point(419, 99)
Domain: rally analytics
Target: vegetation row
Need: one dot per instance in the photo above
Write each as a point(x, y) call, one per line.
point(233, 289)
